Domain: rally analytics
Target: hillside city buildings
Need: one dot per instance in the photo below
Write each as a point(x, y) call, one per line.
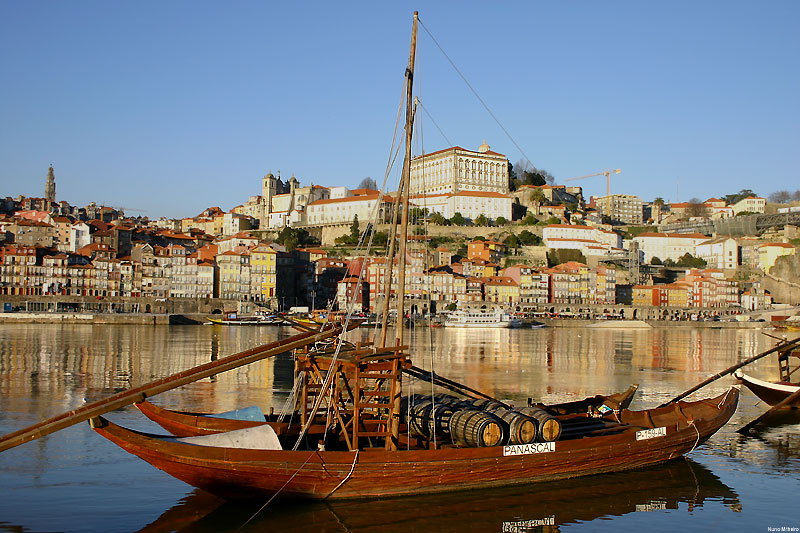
point(52, 248)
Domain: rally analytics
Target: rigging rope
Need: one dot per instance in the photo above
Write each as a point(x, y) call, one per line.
point(366, 236)
point(471, 88)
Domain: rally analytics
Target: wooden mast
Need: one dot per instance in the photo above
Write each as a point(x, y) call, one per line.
point(402, 193)
point(404, 188)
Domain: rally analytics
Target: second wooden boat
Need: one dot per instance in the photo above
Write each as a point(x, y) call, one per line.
point(189, 424)
point(770, 392)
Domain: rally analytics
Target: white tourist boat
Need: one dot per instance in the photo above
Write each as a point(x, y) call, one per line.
point(481, 318)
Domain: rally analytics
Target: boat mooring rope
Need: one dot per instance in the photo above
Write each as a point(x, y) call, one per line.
point(350, 473)
point(691, 423)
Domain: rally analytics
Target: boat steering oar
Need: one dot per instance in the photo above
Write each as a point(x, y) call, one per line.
point(138, 394)
point(783, 345)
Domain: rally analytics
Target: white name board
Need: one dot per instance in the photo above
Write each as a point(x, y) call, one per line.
point(527, 449)
point(651, 433)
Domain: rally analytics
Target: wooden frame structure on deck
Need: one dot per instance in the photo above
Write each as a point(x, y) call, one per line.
point(362, 398)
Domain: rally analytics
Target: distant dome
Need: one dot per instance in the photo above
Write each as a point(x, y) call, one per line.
point(484, 147)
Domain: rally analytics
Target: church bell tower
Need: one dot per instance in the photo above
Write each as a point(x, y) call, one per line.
point(50, 186)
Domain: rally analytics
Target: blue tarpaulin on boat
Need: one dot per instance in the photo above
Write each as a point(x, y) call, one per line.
point(252, 413)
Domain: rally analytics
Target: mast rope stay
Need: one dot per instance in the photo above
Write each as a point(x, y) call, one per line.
point(471, 88)
point(365, 242)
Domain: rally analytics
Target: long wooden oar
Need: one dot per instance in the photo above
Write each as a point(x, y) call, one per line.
point(784, 345)
point(455, 386)
point(744, 430)
point(161, 385)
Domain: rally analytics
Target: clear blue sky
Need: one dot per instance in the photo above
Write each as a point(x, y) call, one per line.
point(171, 107)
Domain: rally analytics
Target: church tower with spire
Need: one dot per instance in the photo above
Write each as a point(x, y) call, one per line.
point(50, 186)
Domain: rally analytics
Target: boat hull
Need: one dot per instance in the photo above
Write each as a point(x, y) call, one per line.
point(768, 392)
point(230, 473)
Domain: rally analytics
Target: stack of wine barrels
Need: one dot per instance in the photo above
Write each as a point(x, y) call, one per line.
point(476, 423)
point(549, 426)
point(522, 429)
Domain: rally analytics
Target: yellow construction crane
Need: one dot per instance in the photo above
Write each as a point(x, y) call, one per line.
point(606, 173)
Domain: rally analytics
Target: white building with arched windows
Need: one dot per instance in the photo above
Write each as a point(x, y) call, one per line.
point(457, 169)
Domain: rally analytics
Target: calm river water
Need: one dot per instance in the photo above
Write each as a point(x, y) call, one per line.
point(74, 480)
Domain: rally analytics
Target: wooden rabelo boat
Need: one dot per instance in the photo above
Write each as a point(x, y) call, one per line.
point(234, 319)
point(770, 392)
point(777, 392)
point(619, 441)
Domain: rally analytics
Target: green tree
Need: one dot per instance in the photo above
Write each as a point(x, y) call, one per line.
point(355, 232)
point(451, 307)
point(529, 239)
point(501, 221)
point(481, 220)
point(458, 219)
point(553, 220)
point(656, 261)
point(530, 220)
point(537, 197)
point(438, 219)
point(512, 241)
point(563, 255)
point(417, 213)
point(289, 238)
point(381, 238)
point(689, 261)
point(739, 196)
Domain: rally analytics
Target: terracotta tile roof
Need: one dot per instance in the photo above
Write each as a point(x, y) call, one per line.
point(364, 198)
point(777, 245)
point(454, 149)
point(575, 226)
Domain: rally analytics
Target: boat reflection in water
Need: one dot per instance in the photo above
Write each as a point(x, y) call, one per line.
point(679, 484)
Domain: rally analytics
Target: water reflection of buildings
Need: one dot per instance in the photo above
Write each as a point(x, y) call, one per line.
point(513, 363)
point(47, 369)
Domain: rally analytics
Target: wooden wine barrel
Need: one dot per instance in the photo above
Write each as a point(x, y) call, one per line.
point(419, 418)
point(476, 429)
point(549, 426)
point(427, 419)
point(439, 420)
point(413, 399)
point(522, 429)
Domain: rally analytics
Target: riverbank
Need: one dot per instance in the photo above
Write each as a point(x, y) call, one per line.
point(163, 319)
